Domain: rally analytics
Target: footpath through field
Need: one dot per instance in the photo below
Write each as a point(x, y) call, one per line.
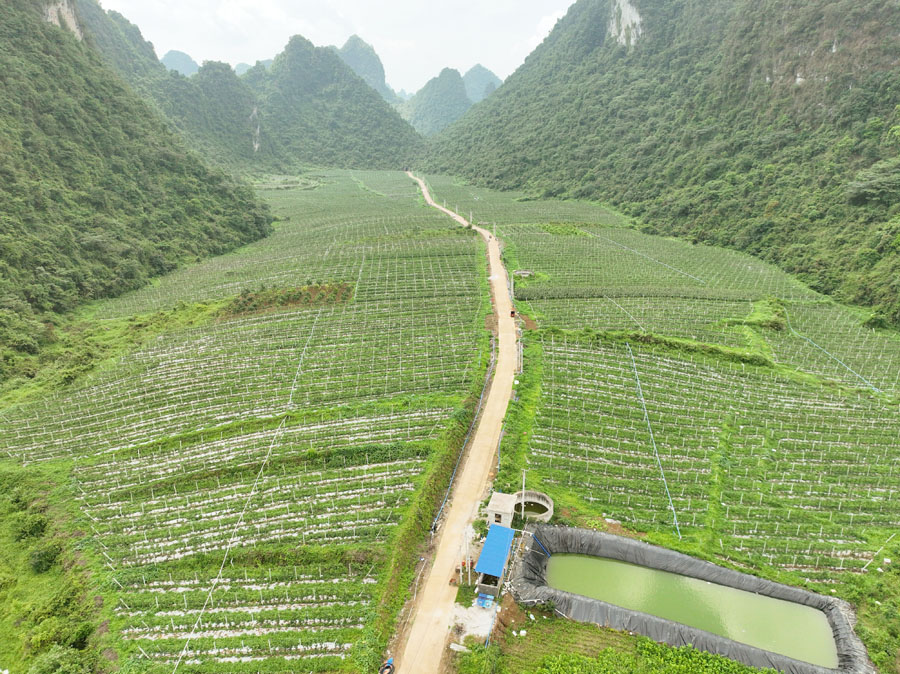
point(427, 637)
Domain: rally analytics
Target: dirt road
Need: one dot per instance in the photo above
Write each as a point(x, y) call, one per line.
point(427, 636)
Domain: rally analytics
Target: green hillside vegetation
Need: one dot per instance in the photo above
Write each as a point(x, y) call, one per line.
point(180, 62)
point(97, 195)
point(761, 126)
point(119, 42)
point(218, 113)
point(306, 108)
point(242, 68)
point(438, 104)
point(320, 112)
point(362, 59)
point(480, 83)
point(49, 617)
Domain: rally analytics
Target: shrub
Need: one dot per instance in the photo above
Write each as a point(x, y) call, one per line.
point(28, 525)
point(43, 556)
point(61, 660)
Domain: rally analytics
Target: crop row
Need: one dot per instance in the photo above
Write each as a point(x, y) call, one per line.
point(241, 481)
point(790, 466)
point(250, 368)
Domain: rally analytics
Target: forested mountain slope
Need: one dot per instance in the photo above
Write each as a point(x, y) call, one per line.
point(320, 112)
point(96, 194)
point(309, 107)
point(766, 126)
point(364, 61)
point(480, 83)
point(438, 104)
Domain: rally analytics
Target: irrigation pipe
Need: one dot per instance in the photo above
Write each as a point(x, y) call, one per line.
point(468, 435)
point(240, 520)
point(302, 356)
point(626, 312)
point(230, 544)
point(652, 259)
point(833, 357)
point(879, 551)
point(637, 381)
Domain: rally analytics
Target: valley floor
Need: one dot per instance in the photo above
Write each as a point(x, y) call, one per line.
point(250, 485)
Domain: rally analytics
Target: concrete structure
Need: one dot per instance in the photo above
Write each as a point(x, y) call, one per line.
point(500, 509)
point(537, 498)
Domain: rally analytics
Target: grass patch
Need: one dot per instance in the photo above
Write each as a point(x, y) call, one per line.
point(465, 595)
point(49, 615)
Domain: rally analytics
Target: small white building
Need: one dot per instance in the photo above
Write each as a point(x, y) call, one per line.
point(500, 509)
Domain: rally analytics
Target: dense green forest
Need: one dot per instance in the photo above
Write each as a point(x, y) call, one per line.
point(480, 83)
point(307, 108)
point(362, 59)
point(322, 113)
point(438, 104)
point(96, 194)
point(764, 126)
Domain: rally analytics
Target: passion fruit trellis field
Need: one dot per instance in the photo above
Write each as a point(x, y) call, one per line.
point(242, 480)
point(764, 468)
point(766, 465)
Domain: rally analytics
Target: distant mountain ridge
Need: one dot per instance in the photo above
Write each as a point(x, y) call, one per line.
point(438, 104)
point(766, 127)
point(242, 68)
point(480, 83)
point(362, 59)
point(307, 108)
point(180, 62)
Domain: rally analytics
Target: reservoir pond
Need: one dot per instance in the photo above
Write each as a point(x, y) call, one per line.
point(783, 627)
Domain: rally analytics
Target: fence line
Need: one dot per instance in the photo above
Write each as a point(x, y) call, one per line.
point(637, 381)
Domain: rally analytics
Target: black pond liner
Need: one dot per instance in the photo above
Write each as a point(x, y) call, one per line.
point(529, 585)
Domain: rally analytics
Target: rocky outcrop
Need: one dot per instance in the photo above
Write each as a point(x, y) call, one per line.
point(62, 13)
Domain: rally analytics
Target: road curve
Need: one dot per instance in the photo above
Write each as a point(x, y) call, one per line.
point(433, 611)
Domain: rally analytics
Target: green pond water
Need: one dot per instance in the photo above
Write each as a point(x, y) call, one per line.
point(783, 627)
point(532, 508)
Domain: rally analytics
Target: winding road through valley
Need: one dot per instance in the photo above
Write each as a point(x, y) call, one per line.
point(426, 638)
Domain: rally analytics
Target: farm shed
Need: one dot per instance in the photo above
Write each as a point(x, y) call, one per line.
point(493, 558)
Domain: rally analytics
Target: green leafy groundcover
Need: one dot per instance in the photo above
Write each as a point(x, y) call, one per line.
point(49, 619)
point(647, 657)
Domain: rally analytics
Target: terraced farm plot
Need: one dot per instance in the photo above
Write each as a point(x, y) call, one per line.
point(703, 320)
point(596, 261)
point(489, 207)
point(244, 481)
point(329, 233)
point(619, 279)
point(773, 471)
point(249, 368)
point(843, 349)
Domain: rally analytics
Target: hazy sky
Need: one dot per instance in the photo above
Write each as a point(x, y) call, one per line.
point(414, 38)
